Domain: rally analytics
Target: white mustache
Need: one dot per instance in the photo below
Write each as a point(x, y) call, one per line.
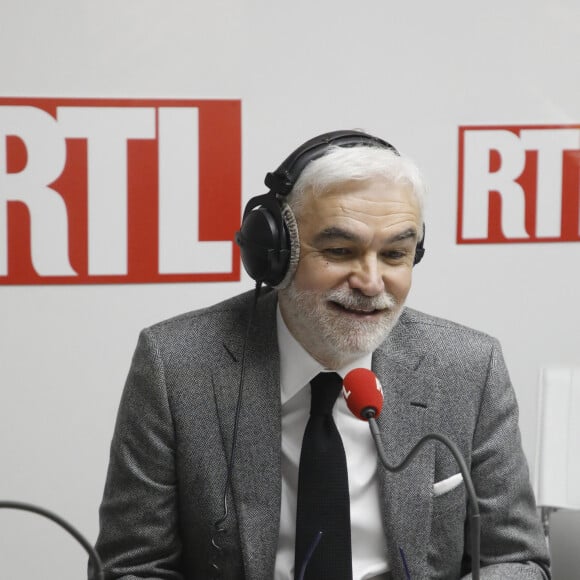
point(347, 299)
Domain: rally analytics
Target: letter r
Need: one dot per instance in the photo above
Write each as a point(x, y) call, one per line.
point(46, 157)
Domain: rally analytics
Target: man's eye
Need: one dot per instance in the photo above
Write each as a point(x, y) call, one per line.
point(337, 252)
point(395, 255)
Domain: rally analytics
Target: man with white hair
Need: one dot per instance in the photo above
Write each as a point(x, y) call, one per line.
point(233, 458)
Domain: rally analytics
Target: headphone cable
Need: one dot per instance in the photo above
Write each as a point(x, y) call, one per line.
point(218, 529)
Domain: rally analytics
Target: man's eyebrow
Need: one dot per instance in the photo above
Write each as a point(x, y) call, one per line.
point(409, 233)
point(336, 233)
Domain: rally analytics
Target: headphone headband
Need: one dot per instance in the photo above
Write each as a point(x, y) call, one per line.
point(283, 179)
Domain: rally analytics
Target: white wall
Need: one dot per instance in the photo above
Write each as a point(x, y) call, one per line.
point(410, 72)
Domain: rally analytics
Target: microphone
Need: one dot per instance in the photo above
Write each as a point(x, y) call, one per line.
point(364, 397)
point(363, 393)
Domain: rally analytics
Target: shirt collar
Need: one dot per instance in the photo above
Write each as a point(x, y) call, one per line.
point(297, 367)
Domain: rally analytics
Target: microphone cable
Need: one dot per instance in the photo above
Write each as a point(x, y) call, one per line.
point(218, 526)
point(93, 556)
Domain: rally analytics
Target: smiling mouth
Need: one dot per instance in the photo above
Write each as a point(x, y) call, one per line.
point(354, 310)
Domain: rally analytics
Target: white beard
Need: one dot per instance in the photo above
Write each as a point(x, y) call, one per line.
point(330, 336)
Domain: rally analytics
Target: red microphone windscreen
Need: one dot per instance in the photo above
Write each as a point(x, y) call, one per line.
point(362, 390)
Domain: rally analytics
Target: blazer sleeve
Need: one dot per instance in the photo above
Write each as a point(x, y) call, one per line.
point(138, 516)
point(512, 542)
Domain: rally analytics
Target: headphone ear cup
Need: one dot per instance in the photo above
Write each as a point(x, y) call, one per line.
point(419, 253)
point(420, 249)
point(291, 227)
point(264, 244)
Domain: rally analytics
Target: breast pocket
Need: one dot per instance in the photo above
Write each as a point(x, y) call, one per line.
point(449, 494)
point(447, 529)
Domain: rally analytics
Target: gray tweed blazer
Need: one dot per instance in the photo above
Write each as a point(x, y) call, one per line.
point(173, 437)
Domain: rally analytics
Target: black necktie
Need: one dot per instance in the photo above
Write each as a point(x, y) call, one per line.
point(323, 499)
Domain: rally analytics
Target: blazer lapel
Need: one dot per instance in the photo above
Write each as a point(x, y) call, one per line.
point(256, 476)
point(406, 495)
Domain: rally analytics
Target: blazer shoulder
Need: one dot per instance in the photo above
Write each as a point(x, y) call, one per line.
point(427, 325)
point(421, 339)
point(208, 328)
point(237, 307)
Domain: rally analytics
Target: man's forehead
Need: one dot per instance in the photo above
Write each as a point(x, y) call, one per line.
point(393, 196)
point(380, 188)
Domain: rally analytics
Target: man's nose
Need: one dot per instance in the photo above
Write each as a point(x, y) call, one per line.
point(367, 277)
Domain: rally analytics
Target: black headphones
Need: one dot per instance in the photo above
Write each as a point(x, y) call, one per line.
point(264, 237)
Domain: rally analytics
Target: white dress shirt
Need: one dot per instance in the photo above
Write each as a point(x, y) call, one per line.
point(297, 369)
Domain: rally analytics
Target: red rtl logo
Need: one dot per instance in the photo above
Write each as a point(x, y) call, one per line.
point(519, 184)
point(119, 191)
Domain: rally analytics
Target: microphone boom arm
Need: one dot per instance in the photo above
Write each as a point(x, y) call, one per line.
point(473, 507)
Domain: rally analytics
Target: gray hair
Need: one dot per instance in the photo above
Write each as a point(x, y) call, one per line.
point(341, 164)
